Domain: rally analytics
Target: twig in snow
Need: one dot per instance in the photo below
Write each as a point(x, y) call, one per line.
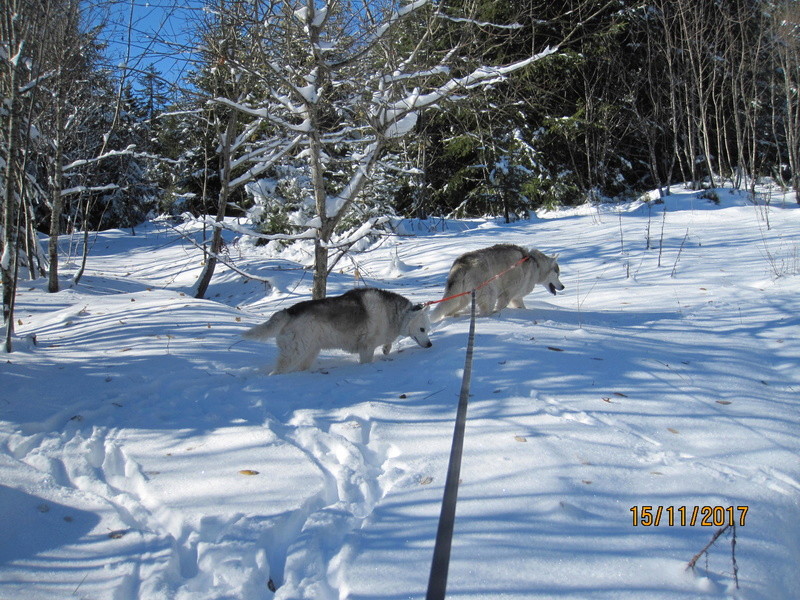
point(661, 239)
point(75, 591)
point(719, 532)
point(677, 258)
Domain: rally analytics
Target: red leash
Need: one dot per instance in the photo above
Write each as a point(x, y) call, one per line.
point(487, 282)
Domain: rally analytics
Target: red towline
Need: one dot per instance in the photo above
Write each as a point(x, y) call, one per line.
point(487, 282)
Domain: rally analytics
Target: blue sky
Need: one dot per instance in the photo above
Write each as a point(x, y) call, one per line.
point(159, 33)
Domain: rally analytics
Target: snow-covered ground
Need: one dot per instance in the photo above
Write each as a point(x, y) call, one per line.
point(145, 453)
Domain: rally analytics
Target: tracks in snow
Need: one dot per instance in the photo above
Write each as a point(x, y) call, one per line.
point(654, 453)
point(167, 553)
point(358, 472)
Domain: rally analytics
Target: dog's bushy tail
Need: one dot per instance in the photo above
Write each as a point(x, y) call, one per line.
point(456, 284)
point(268, 329)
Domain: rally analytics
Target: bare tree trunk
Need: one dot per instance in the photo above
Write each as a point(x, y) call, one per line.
point(57, 200)
point(320, 282)
point(329, 223)
point(8, 262)
point(224, 192)
point(788, 56)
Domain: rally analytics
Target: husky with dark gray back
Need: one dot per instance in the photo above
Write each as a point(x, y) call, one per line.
point(358, 321)
point(521, 270)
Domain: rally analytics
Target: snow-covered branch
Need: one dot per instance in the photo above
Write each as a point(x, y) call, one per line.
point(263, 164)
point(308, 234)
point(36, 81)
point(263, 113)
point(340, 202)
point(359, 234)
point(383, 30)
point(396, 119)
point(129, 151)
point(482, 24)
point(484, 75)
point(82, 189)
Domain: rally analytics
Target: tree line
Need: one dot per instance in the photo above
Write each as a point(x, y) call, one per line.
point(319, 118)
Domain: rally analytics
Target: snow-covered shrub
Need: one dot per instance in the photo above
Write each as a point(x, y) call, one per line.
point(282, 203)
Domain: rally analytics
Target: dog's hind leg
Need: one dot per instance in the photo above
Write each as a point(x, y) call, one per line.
point(456, 306)
point(485, 300)
point(285, 364)
point(294, 355)
point(290, 362)
point(516, 303)
point(309, 359)
point(502, 301)
point(365, 354)
point(307, 348)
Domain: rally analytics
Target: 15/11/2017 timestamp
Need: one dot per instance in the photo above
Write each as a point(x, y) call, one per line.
point(681, 516)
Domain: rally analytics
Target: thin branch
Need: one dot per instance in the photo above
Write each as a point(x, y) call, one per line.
point(221, 259)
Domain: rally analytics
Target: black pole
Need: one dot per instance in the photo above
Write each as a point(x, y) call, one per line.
point(437, 583)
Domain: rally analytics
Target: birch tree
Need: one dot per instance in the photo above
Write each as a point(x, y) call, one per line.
point(13, 35)
point(64, 96)
point(786, 24)
point(338, 88)
point(53, 106)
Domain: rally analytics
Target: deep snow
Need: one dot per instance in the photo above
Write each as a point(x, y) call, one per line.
point(145, 453)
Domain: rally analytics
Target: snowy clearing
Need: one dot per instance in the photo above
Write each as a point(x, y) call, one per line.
point(145, 453)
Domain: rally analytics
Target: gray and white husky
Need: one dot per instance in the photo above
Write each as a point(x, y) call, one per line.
point(472, 269)
point(357, 321)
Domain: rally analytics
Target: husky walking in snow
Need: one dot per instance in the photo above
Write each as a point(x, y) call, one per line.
point(358, 321)
point(521, 270)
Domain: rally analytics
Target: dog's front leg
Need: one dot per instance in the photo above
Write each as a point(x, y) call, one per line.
point(387, 348)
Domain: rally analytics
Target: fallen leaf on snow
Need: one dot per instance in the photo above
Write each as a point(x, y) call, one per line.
point(115, 535)
point(248, 472)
